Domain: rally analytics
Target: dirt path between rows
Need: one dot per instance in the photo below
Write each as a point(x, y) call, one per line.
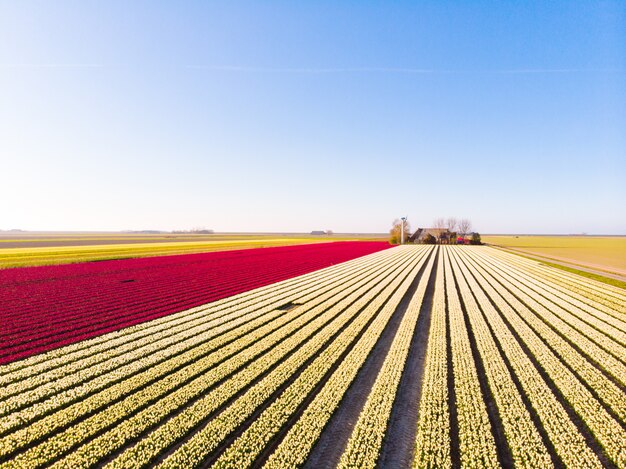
point(327, 452)
point(399, 442)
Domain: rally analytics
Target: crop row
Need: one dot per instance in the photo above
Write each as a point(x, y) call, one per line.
point(364, 445)
point(523, 366)
point(216, 429)
point(518, 313)
point(432, 443)
point(558, 312)
point(609, 298)
point(477, 446)
point(307, 429)
point(569, 444)
point(607, 431)
point(611, 325)
point(598, 289)
point(188, 342)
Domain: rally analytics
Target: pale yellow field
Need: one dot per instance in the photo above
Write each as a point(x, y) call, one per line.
point(93, 248)
point(602, 253)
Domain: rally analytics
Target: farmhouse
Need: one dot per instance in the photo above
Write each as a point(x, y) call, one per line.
point(442, 235)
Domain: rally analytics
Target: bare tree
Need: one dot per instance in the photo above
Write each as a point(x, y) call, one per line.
point(396, 229)
point(451, 223)
point(439, 223)
point(329, 232)
point(465, 226)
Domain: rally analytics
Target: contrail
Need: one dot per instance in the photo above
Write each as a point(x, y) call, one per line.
point(394, 70)
point(51, 65)
point(235, 68)
point(326, 70)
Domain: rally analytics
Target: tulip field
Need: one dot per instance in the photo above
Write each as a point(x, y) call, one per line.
point(50, 306)
point(351, 355)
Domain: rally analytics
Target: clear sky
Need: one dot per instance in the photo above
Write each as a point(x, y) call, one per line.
point(294, 116)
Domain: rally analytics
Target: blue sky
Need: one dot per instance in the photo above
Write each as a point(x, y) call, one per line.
point(293, 116)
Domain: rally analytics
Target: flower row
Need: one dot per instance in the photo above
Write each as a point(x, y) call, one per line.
point(88, 350)
point(528, 450)
point(477, 445)
point(590, 341)
point(363, 448)
point(606, 429)
point(303, 434)
point(46, 307)
point(432, 442)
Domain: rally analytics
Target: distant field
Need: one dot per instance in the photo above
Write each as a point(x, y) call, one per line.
point(28, 249)
point(603, 253)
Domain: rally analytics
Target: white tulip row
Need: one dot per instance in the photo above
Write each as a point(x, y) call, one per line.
point(594, 303)
point(194, 450)
point(599, 331)
point(593, 288)
point(477, 444)
point(116, 412)
point(607, 323)
point(579, 333)
point(571, 285)
point(524, 440)
point(140, 352)
point(569, 444)
point(59, 362)
point(608, 391)
point(247, 447)
point(578, 288)
point(364, 445)
point(606, 430)
point(432, 443)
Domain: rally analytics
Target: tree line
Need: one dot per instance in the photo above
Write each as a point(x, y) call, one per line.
point(455, 228)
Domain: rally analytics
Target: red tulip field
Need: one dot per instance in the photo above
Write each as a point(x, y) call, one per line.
point(42, 308)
